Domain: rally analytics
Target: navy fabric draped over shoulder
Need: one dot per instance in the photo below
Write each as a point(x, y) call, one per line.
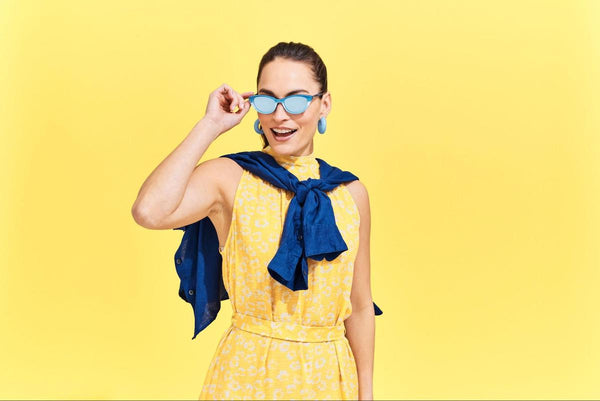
point(309, 219)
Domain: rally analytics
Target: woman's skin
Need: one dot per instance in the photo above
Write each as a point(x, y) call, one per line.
point(180, 191)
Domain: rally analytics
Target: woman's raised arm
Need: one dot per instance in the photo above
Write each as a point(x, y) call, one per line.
point(179, 191)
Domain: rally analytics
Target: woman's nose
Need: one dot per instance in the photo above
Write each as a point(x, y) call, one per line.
point(280, 111)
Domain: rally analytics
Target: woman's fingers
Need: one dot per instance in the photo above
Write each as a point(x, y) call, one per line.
point(228, 94)
point(234, 99)
point(244, 102)
point(240, 102)
point(244, 106)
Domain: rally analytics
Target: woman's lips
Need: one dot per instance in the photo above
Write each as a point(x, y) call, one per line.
point(283, 137)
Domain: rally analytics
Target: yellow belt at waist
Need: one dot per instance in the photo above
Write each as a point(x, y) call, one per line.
point(288, 330)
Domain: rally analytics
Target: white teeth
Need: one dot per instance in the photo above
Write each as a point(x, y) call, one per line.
point(282, 131)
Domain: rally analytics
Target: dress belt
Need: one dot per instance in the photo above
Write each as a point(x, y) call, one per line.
point(289, 331)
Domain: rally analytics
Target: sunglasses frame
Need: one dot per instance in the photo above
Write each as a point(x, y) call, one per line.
point(309, 99)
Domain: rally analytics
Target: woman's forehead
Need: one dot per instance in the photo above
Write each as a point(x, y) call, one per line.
point(281, 78)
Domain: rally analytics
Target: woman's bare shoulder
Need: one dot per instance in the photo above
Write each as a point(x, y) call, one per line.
point(226, 171)
point(360, 195)
point(357, 189)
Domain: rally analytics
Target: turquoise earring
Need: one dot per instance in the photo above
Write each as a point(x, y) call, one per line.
point(322, 125)
point(257, 127)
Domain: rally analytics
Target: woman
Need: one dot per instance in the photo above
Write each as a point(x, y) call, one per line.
point(305, 360)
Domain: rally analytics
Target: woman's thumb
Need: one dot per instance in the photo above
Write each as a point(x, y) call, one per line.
point(242, 109)
point(246, 106)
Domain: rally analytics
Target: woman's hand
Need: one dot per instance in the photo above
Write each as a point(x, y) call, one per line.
point(221, 103)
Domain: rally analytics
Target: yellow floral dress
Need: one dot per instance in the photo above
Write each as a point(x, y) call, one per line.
point(284, 344)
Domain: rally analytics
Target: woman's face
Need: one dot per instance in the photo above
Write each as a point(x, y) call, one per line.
point(280, 78)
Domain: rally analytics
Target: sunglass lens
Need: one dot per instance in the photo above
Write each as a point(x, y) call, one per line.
point(264, 105)
point(295, 104)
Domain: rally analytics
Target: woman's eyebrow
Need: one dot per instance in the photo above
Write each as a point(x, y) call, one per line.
point(268, 92)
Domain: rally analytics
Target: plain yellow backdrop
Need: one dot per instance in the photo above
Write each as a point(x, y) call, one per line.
point(473, 124)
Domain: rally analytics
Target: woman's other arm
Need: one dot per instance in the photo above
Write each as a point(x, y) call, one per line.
point(360, 326)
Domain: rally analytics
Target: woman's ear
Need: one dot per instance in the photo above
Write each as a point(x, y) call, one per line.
point(325, 104)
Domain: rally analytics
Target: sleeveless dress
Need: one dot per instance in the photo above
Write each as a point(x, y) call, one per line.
point(284, 344)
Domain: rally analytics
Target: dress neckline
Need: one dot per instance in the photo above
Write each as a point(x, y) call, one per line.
point(288, 160)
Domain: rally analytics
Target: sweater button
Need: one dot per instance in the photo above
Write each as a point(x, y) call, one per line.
point(191, 292)
point(178, 261)
point(299, 236)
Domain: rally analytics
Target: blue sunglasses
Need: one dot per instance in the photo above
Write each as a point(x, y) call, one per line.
point(293, 104)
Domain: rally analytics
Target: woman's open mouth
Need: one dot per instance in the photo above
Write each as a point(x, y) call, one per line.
point(283, 135)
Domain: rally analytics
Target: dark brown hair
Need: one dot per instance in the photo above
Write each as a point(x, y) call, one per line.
point(297, 52)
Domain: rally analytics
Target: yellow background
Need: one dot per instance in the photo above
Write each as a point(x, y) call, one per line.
point(474, 126)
